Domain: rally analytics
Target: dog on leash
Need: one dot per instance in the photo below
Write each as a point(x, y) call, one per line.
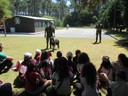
point(54, 42)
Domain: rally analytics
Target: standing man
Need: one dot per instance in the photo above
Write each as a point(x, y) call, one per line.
point(49, 32)
point(98, 32)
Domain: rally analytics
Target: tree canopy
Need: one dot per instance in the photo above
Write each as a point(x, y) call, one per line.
point(4, 9)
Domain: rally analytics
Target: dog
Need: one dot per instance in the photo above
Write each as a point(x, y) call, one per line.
point(54, 42)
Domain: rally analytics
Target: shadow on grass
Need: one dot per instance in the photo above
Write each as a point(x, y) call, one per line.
point(121, 37)
point(96, 43)
point(18, 83)
point(48, 50)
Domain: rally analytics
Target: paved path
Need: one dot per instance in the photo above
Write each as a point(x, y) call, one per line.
point(80, 33)
point(68, 33)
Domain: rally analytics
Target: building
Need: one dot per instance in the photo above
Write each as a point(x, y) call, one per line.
point(22, 23)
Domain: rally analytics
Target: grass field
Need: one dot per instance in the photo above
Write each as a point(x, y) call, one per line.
point(17, 46)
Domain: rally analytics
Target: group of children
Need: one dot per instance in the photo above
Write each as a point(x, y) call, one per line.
point(41, 74)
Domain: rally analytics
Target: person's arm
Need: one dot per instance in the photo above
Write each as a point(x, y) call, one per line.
point(45, 32)
point(53, 31)
point(40, 78)
point(5, 57)
point(54, 78)
point(99, 70)
point(106, 79)
point(9, 58)
point(1, 82)
point(109, 84)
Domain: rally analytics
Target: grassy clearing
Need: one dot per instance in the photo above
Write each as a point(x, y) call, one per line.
point(17, 46)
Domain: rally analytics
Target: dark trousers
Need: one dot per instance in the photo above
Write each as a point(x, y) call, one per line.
point(48, 42)
point(5, 65)
point(98, 34)
point(1, 30)
point(6, 90)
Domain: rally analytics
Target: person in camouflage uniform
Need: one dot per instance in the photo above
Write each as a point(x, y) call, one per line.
point(49, 32)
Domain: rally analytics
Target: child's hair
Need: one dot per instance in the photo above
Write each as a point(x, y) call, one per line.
point(90, 74)
point(69, 54)
point(59, 54)
point(83, 58)
point(1, 46)
point(63, 68)
point(44, 55)
point(121, 74)
point(106, 62)
point(31, 65)
point(77, 52)
point(115, 64)
point(123, 59)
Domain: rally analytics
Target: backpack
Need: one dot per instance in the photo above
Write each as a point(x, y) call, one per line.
point(34, 81)
point(46, 70)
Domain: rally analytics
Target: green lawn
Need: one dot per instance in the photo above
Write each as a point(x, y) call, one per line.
point(17, 46)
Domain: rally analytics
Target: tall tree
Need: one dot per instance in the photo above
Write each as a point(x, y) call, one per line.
point(125, 13)
point(62, 8)
point(91, 3)
point(112, 13)
point(4, 8)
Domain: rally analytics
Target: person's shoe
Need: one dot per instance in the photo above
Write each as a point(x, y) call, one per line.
point(95, 42)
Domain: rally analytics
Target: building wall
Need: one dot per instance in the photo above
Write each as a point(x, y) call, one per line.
point(26, 24)
point(40, 25)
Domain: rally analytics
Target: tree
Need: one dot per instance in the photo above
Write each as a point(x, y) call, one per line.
point(86, 17)
point(107, 14)
point(112, 14)
point(125, 12)
point(74, 5)
point(90, 3)
point(62, 8)
point(4, 9)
